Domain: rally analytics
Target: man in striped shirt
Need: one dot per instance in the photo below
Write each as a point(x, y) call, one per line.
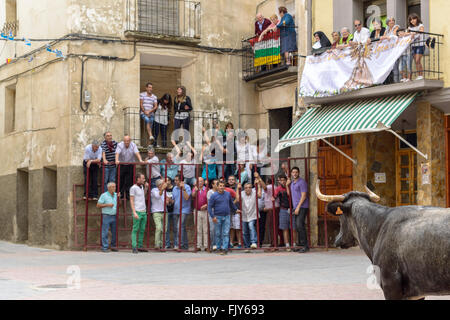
point(149, 104)
point(109, 156)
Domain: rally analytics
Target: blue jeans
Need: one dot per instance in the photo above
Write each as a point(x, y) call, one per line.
point(250, 235)
point(184, 239)
point(212, 234)
point(170, 221)
point(160, 128)
point(222, 230)
point(108, 221)
point(149, 119)
point(110, 176)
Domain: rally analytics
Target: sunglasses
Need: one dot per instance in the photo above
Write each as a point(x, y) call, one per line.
point(357, 25)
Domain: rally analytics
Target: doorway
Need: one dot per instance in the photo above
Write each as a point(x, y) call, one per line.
point(406, 171)
point(164, 80)
point(336, 173)
point(22, 205)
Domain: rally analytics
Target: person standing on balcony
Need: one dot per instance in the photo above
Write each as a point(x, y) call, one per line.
point(162, 119)
point(288, 36)
point(109, 147)
point(91, 161)
point(345, 39)
point(418, 46)
point(261, 24)
point(405, 60)
point(322, 43)
point(127, 152)
point(274, 19)
point(391, 33)
point(148, 105)
point(182, 107)
point(336, 36)
point(361, 34)
point(378, 31)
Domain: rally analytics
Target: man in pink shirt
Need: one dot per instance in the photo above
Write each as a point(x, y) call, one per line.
point(200, 203)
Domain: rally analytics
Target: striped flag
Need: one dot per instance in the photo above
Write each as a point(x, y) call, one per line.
point(267, 51)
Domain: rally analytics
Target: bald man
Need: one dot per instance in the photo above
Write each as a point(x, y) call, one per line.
point(261, 24)
point(127, 152)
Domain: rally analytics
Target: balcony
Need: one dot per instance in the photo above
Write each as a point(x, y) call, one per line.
point(432, 76)
point(263, 63)
point(164, 21)
point(10, 27)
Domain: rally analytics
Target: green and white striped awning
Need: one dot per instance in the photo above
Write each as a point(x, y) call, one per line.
point(360, 116)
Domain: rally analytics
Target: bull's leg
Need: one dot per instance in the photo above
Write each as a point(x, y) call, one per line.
point(391, 283)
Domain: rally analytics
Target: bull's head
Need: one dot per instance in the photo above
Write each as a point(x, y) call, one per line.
point(341, 206)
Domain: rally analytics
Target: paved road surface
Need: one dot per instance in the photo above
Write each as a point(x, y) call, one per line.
point(34, 273)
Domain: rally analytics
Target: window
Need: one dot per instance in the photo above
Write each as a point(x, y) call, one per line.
point(10, 109)
point(49, 201)
point(159, 16)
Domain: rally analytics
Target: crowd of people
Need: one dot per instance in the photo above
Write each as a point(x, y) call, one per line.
point(228, 197)
point(284, 26)
point(402, 71)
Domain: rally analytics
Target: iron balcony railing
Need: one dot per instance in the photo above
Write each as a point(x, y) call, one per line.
point(135, 128)
point(10, 27)
point(263, 57)
point(174, 18)
point(426, 67)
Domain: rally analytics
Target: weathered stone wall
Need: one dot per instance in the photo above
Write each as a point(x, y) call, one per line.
point(381, 159)
point(431, 141)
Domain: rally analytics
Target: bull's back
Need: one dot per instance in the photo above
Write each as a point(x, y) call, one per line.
point(417, 241)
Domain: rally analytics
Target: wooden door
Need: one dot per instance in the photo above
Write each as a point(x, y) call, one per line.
point(406, 173)
point(337, 176)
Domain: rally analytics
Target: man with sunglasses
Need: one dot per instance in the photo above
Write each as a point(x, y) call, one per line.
point(361, 34)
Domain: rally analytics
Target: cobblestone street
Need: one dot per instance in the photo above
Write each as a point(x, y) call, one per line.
point(34, 273)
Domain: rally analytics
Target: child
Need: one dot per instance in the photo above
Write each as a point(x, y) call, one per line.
point(405, 60)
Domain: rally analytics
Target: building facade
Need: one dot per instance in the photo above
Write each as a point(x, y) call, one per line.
point(391, 168)
point(73, 69)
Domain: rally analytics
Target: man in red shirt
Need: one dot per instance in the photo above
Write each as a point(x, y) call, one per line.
point(261, 24)
point(200, 202)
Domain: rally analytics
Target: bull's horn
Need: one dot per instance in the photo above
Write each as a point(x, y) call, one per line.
point(373, 196)
point(325, 198)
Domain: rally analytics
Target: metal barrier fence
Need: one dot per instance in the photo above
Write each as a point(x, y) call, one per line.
point(125, 215)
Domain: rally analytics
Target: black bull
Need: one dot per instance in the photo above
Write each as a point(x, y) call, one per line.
point(410, 245)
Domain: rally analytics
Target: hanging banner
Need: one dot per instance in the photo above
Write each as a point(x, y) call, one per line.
point(267, 51)
point(352, 68)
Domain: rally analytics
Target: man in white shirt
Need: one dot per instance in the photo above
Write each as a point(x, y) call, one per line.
point(91, 161)
point(249, 216)
point(148, 105)
point(361, 34)
point(139, 210)
point(155, 173)
point(157, 210)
